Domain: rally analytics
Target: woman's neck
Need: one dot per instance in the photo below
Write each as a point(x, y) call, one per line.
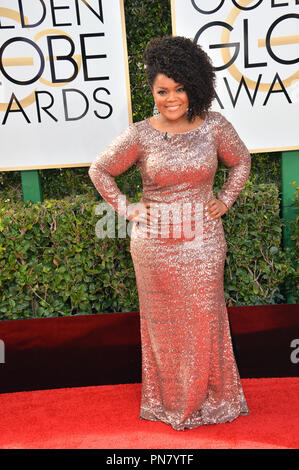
point(179, 125)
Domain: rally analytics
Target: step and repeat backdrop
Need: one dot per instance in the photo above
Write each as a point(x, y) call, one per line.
point(64, 79)
point(64, 83)
point(254, 47)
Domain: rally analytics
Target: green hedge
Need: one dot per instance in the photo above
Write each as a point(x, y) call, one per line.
point(51, 262)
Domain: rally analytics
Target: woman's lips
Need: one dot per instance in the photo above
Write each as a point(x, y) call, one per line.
point(172, 108)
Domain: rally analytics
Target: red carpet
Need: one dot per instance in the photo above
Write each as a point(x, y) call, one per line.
point(106, 417)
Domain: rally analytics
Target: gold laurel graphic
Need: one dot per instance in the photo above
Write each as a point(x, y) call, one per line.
point(77, 57)
point(27, 61)
point(12, 14)
point(16, 61)
point(235, 72)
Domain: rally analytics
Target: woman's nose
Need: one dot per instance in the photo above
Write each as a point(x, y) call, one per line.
point(171, 96)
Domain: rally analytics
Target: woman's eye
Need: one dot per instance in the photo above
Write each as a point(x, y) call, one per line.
point(162, 92)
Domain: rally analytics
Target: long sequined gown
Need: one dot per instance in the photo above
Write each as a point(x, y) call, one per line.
point(189, 374)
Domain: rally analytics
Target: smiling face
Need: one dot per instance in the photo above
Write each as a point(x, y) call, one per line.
point(170, 97)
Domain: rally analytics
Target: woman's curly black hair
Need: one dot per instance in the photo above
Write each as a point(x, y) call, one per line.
point(185, 62)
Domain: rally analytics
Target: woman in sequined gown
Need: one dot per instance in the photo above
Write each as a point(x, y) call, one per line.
point(189, 373)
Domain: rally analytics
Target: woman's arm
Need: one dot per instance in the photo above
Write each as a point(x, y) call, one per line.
point(114, 160)
point(234, 154)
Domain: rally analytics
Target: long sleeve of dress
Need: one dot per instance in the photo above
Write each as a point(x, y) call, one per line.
point(114, 160)
point(234, 154)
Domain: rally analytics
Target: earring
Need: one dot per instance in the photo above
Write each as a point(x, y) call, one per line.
point(156, 112)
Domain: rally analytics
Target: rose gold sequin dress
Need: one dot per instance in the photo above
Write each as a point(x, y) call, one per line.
point(189, 374)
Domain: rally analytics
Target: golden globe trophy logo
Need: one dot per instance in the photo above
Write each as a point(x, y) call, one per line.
point(253, 45)
point(62, 79)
